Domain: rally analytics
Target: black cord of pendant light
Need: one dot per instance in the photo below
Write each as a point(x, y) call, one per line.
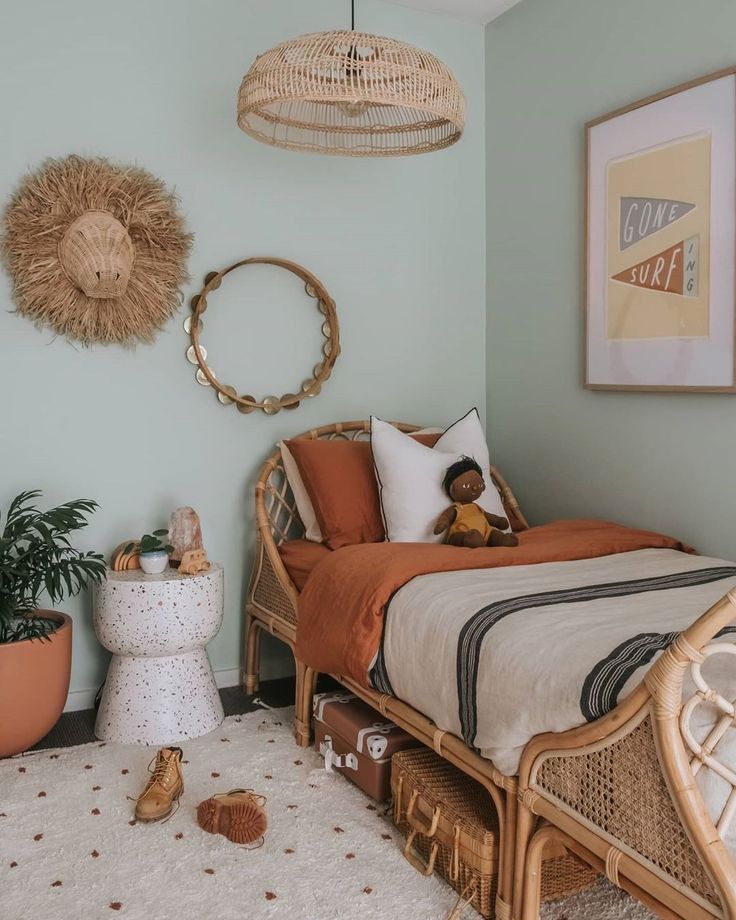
point(353, 70)
point(353, 52)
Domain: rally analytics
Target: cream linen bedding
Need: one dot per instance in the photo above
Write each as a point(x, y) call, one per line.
point(497, 656)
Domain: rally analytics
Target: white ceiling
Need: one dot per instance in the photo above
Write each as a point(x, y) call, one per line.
point(480, 10)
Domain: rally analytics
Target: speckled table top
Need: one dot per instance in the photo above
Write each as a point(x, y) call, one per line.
point(169, 574)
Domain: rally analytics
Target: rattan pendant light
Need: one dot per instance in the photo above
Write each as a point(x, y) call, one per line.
point(349, 93)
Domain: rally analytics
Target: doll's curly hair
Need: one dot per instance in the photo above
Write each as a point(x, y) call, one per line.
point(463, 465)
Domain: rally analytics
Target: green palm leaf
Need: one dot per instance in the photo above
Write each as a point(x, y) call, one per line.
point(37, 560)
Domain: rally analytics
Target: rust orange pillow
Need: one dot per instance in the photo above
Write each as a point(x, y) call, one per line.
point(339, 478)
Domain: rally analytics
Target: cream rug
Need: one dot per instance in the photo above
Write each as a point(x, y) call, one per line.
point(70, 849)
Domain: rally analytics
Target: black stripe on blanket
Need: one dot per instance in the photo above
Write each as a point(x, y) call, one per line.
point(379, 672)
point(480, 624)
point(605, 682)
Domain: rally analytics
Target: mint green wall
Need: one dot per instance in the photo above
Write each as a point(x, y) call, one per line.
point(400, 244)
point(659, 461)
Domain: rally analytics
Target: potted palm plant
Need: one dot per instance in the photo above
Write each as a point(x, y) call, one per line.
point(37, 560)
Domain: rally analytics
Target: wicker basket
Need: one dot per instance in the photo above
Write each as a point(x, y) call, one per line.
point(451, 827)
point(564, 874)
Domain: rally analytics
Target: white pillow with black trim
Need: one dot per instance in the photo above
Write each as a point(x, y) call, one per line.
point(410, 475)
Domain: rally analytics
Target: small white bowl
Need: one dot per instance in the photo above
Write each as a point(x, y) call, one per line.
point(154, 563)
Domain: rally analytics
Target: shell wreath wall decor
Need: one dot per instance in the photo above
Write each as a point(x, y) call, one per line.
point(96, 252)
point(227, 394)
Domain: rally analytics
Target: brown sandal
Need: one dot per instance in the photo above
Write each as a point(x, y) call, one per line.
point(237, 815)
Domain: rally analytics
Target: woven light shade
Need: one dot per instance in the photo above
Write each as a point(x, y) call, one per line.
point(351, 94)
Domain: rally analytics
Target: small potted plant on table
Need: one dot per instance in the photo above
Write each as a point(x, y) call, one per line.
point(154, 552)
point(37, 559)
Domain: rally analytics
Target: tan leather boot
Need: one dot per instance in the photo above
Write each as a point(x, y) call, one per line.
point(238, 815)
point(163, 788)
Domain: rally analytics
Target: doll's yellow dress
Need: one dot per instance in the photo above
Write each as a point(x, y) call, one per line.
point(469, 517)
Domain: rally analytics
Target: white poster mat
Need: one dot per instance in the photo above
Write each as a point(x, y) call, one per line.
point(708, 362)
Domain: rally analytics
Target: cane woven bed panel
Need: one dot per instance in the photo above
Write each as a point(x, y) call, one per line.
point(620, 789)
point(270, 595)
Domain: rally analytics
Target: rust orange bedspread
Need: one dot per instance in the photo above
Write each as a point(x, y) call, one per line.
point(341, 608)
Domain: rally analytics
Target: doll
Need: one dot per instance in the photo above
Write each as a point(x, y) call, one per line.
point(466, 523)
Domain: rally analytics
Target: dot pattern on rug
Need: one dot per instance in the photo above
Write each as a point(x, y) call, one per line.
point(329, 853)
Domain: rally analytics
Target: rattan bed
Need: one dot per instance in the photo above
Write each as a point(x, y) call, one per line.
point(618, 793)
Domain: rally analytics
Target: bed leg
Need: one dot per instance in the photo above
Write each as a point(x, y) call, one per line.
point(306, 681)
point(532, 879)
point(505, 896)
point(251, 676)
point(525, 823)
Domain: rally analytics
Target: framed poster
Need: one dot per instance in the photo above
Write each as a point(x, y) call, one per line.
point(661, 241)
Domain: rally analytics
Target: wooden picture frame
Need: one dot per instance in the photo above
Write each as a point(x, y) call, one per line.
point(660, 241)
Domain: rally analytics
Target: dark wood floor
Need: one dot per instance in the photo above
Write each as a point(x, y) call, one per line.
point(79, 727)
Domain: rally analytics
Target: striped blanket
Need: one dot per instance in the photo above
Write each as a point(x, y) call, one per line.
point(497, 656)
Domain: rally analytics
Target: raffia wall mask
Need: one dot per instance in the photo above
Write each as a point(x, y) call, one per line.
point(97, 252)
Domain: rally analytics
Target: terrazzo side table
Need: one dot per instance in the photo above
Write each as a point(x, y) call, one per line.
point(160, 687)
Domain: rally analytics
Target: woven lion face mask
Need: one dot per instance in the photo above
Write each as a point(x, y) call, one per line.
point(97, 252)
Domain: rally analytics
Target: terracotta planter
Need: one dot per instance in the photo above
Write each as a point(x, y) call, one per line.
point(34, 682)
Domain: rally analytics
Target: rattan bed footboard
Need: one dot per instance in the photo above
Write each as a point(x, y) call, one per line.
point(625, 789)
